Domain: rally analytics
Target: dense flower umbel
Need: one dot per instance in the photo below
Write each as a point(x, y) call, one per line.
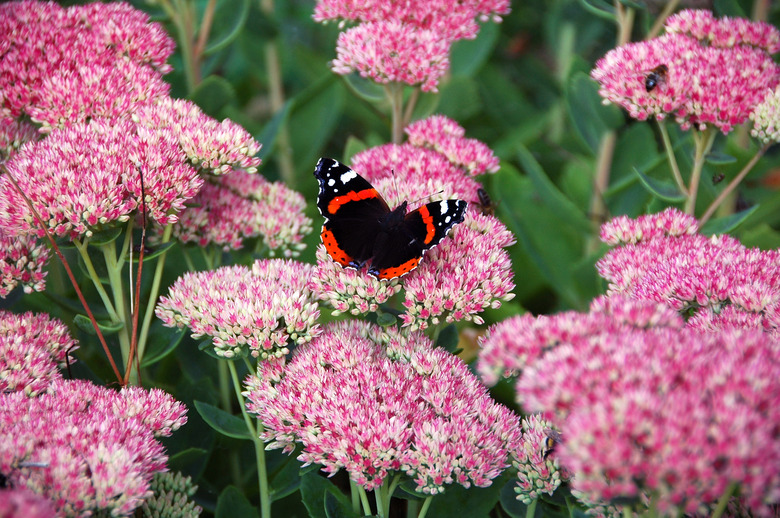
point(32, 347)
point(171, 497)
point(676, 413)
point(716, 71)
point(375, 403)
point(13, 134)
point(240, 206)
point(67, 65)
point(23, 503)
point(447, 137)
point(538, 469)
point(666, 261)
point(76, 446)
point(261, 311)
point(22, 259)
point(85, 176)
point(451, 20)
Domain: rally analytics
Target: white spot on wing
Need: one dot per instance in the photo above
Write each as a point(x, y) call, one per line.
point(348, 176)
point(331, 182)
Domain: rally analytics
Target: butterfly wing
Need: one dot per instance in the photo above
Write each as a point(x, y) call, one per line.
point(353, 212)
point(421, 230)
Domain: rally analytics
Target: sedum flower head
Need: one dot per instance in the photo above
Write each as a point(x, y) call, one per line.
point(22, 259)
point(715, 281)
point(73, 447)
point(374, 402)
point(766, 118)
point(240, 206)
point(261, 311)
point(171, 497)
point(13, 134)
point(390, 51)
point(707, 71)
point(23, 503)
point(100, 60)
point(32, 349)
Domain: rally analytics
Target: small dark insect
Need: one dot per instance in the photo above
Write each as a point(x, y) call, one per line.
point(717, 178)
point(485, 203)
point(553, 438)
point(655, 77)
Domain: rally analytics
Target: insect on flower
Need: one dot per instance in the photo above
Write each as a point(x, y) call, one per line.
point(486, 205)
point(655, 77)
point(552, 439)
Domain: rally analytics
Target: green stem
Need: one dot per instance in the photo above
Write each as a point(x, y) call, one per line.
point(381, 500)
point(627, 512)
point(733, 184)
point(355, 495)
point(155, 289)
point(118, 290)
point(723, 501)
point(183, 21)
point(395, 94)
point(262, 471)
point(670, 155)
point(426, 505)
point(412, 508)
point(598, 208)
point(364, 501)
point(93, 275)
point(703, 140)
point(410, 104)
point(531, 510)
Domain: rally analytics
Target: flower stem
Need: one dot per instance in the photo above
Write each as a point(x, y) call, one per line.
point(381, 500)
point(425, 506)
point(117, 288)
point(703, 140)
point(364, 500)
point(531, 511)
point(262, 471)
point(95, 278)
point(733, 184)
point(598, 209)
point(355, 495)
point(669, 8)
point(723, 501)
point(670, 155)
point(395, 94)
point(155, 289)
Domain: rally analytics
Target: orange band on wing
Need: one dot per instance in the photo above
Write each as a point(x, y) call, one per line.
point(335, 204)
point(429, 226)
point(333, 248)
point(391, 273)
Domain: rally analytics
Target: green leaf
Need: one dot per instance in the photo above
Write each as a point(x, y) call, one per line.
point(475, 502)
point(189, 461)
point(158, 251)
point(353, 147)
point(600, 8)
point(162, 342)
point(509, 502)
point(232, 503)
point(213, 94)
point(223, 422)
point(729, 8)
point(366, 89)
point(553, 198)
point(661, 189)
point(448, 338)
point(591, 118)
point(726, 224)
point(335, 508)
point(106, 327)
point(385, 319)
point(270, 132)
point(106, 236)
point(717, 158)
point(313, 494)
point(468, 56)
point(286, 480)
point(229, 18)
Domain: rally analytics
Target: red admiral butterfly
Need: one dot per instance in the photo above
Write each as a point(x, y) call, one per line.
point(360, 226)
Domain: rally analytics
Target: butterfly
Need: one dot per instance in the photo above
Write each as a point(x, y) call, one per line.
point(360, 228)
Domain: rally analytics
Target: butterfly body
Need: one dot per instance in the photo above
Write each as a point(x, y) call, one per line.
point(360, 228)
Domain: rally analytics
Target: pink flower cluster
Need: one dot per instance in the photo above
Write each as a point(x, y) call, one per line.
point(22, 259)
point(23, 503)
point(80, 446)
point(404, 42)
point(766, 118)
point(706, 71)
point(87, 176)
point(241, 205)
point(538, 469)
point(261, 311)
point(468, 271)
point(715, 281)
point(650, 409)
point(67, 65)
point(32, 349)
point(376, 402)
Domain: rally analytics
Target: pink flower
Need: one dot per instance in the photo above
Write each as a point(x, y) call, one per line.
point(664, 260)
point(71, 446)
point(240, 206)
point(375, 402)
point(391, 51)
point(766, 118)
point(23, 503)
point(715, 76)
point(13, 134)
point(22, 259)
point(452, 21)
point(261, 311)
point(84, 177)
point(52, 67)
point(447, 137)
point(32, 349)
